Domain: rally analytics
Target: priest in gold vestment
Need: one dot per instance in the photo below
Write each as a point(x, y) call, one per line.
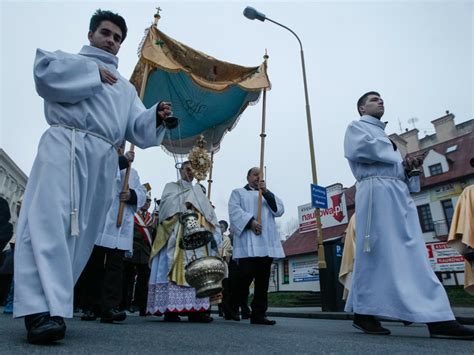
point(168, 292)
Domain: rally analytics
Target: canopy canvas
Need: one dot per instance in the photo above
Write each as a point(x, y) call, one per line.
point(208, 95)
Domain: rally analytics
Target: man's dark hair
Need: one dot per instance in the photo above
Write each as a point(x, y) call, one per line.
point(363, 99)
point(104, 15)
point(224, 222)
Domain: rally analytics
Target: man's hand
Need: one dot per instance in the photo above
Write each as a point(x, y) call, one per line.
point(420, 159)
point(125, 196)
point(165, 115)
point(256, 227)
point(107, 77)
point(262, 186)
point(412, 165)
point(163, 110)
point(130, 156)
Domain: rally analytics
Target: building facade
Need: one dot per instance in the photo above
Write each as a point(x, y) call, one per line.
point(12, 182)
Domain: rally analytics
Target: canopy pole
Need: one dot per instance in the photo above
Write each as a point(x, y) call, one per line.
point(209, 181)
point(132, 149)
point(262, 144)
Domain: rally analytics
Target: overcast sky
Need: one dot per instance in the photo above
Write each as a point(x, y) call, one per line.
point(417, 54)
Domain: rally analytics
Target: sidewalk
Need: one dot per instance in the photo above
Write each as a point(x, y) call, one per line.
point(464, 315)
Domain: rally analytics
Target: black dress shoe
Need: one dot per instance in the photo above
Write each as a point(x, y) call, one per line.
point(204, 318)
point(450, 330)
point(133, 309)
point(200, 318)
point(232, 316)
point(32, 319)
point(142, 313)
point(245, 316)
point(113, 315)
point(88, 315)
point(369, 325)
point(263, 321)
point(43, 329)
point(171, 317)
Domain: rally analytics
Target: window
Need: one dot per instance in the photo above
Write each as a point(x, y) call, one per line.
point(448, 211)
point(436, 169)
point(451, 149)
point(426, 220)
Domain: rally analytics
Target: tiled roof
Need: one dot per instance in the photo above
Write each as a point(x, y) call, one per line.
point(459, 160)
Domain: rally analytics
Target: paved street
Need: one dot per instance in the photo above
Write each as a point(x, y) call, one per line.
point(290, 336)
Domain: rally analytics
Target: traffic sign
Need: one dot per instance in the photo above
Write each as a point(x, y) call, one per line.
point(319, 197)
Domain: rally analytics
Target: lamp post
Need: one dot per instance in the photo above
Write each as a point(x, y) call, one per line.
point(253, 14)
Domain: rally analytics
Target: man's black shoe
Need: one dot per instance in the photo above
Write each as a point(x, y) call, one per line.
point(33, 319)
point(133, 309)
point(263, 321)
point(245, 316)
point(171, 317)
point(369, 325)
point(113, 315)
point(43, 329)
point(200, 318)
point(450, 330)
point(232, 316)
point(88, 315)
point(59, 320)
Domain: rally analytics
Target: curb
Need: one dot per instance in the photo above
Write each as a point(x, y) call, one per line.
point(341, 316)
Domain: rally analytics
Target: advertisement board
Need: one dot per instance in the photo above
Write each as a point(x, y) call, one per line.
point(303, 271)
point(443, 258)
point(334, 215)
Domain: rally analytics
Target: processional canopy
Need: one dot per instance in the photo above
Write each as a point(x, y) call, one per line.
point(208, 95)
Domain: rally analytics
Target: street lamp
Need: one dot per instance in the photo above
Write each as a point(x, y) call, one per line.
point(253, 14)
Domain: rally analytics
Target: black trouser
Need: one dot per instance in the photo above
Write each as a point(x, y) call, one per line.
point(128, 284)
point(103, 278)
point(234, 290)
point(256, 270)
point(5, 283)
point(140, 296)
point(224, 307)
point(141, 287)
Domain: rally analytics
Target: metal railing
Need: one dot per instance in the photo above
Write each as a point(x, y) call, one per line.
point(441, 228)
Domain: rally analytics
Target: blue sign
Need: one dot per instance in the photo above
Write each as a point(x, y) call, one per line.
point(319, 197)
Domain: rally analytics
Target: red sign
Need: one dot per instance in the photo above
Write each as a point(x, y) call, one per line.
point(443, 258)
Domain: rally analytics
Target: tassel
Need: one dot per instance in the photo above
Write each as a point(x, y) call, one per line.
point(74, 223)
point(366, 248)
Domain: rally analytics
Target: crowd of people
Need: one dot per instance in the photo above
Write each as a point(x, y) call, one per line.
point(71, 252)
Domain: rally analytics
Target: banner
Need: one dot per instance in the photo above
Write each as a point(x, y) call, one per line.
point(303, 271)
point(334, 215)
point(444, 258)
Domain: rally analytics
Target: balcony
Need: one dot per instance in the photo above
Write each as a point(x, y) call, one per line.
point(441, 229)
